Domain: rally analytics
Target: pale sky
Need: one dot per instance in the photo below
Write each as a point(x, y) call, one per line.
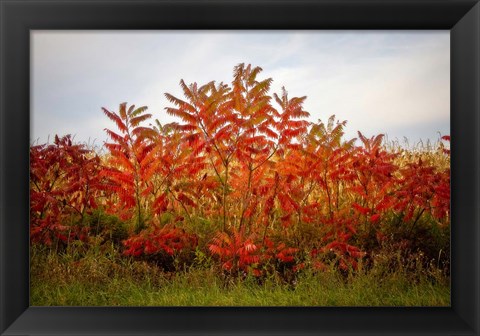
point(391, 82)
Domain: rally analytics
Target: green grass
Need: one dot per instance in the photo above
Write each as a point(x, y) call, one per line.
point(309, 292)
point(60, 280)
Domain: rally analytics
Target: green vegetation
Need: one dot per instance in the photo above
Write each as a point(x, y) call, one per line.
point(100, 279)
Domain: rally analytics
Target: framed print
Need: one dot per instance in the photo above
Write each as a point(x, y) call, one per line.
point(230, 206)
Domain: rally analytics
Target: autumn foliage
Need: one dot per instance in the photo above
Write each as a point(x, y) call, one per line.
point(244, 176)
point(64, 187)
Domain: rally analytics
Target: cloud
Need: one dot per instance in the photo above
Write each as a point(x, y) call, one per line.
point(379, 81)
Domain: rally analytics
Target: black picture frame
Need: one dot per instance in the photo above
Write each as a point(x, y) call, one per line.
point(18, 17)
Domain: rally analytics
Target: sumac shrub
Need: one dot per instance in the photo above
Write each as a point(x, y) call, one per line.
point(254, 184)
point(241, 255)
point(169, 247)
point(64, 188)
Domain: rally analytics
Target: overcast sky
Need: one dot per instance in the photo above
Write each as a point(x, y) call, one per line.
point(391, 82)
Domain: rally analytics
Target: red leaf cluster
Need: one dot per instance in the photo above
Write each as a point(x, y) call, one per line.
point(169, 240)
point(65, 185)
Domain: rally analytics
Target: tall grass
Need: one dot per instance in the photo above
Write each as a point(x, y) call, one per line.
point(102, 279)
